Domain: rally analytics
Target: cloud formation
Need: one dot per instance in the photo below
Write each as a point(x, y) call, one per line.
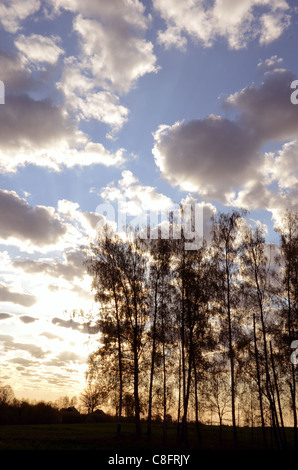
point(112, 55)
point(27, 319)
point(13, 12)
point(134, 197)
point(18, 220)
point(223, 159)
point(7, 295)
point(237, 22)
point(69, 270)
point(39, 49)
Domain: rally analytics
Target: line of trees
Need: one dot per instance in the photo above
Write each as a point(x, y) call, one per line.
point(64, 410)
point(190, 333)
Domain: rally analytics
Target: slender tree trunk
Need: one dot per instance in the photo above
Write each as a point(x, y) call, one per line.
point(149, 429)
point(293, 384)
point(268, 381)
point(231, 350)
point(197, 404)
point(136, 370)
point(259, 380)
point(136, 392)
point(120, 370)
point(179, 395)
point(284, 439)
point(183, 424)
point(185, 404)
point(269, 389)
point(164, 391)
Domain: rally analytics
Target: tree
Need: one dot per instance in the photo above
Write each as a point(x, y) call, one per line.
point(225, 231)
point(119, 273)
point(159, 307)
point(259, 278)
point(288, 262)
point(6, 394)
point(90, 398)
point(217, 391)
point(193, 281)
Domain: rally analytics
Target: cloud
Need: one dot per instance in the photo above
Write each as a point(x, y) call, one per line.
point(222, 159)
point(63, 359)
point(6, 295)
point(272, 63)
point(131, 12)
point(22, 361)
point(281, 173)
point(4, 316)
point(237, 22)
point(72, 267)
point(20, 221)
point(82, 327)
point(32, 349)
point(45, 138)
point(14, 74)
point(13, 12)
point(211, 156)
point(134, 197)
point(266, 110)
point(49, 335)
point(27, 319)
point(113, 56)
point(117, 59)
point(85, 101)
point(49, 136)
point(6, 338)
point(39, 49)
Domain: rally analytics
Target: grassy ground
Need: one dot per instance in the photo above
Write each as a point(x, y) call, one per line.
point(101, 437)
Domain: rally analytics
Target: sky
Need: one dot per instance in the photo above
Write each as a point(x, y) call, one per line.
point(144, 103)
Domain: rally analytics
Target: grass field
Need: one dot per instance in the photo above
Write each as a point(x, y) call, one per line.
point(102, 437)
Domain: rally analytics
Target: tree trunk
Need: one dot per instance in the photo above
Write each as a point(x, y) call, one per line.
point(259, 380)
point(231, 350)
point(284, 440)
point(149, 430)
point(197, 404)
point(136, 385)
point(120, 371)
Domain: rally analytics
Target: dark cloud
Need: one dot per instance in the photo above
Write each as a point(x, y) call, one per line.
point(27, 319)
point(266, 110)
point(73, 267)
point(4, 316)
point(6, 295)
point(13, 73)
point(64, 359)
point(216, 156)
point(44, 123)
point(6, 338)
point(20, 220)
point(66, 323)
point(48, 335)
point(82, 327)
point(213, 155)
point(32, 349)
point(23, 362)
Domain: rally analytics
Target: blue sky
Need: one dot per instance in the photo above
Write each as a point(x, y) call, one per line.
point(151, 102)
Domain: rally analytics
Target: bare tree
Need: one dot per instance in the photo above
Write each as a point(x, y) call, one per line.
point(90, 398)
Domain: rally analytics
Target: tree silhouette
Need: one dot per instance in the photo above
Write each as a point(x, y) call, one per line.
point(181, 329)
